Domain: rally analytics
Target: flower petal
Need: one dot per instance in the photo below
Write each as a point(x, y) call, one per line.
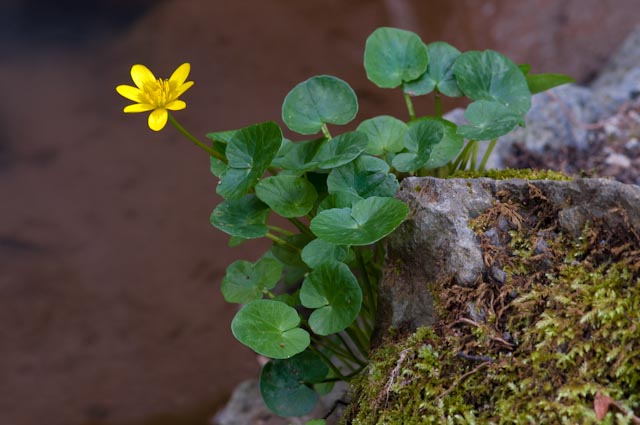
point(130, 92)
point(181, 89)
point(138, 107)
point(142, 75)
point(158, 119)
point(176, 105)
point(180, 75)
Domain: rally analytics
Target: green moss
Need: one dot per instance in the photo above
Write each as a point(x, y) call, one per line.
point(563, 327)
point(511, 173)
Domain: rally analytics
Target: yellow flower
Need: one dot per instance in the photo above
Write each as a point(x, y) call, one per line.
point(156, 94)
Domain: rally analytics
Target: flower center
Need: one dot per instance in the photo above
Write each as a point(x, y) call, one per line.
point(159, 92)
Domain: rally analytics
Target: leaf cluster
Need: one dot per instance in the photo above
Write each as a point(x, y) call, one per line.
point(309, 302)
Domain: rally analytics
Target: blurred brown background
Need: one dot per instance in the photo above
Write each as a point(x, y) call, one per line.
point(110, 311)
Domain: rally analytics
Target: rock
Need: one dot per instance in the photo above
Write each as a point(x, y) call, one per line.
point(246, 407)
point(619, 81)
point(436, 244)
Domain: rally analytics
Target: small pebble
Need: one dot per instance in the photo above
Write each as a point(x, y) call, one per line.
point(632, 143)
point(618, 160)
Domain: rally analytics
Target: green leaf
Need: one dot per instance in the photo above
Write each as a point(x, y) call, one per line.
point(270, 328)
point(236, 241)
point(288, 196)
point(249, 152)
point(217, 167)
point(319, 100)
point(333, 291)
point(419, 141)
point(393, 56)
point(245, 281)
point(340, 150)
point(448, 148)
point(542, 82)
point(366, 176)
point(384, 134)
point(297, 156)
point(285, 384)
point(491, 76)
point(245, 217)
point(439, 73)
point(366, 222)
point(338, 200)
point(318, 251)
point(289, 253)
point(316, 422)
point(223, 137)
point(488, 120)
point(525, 68)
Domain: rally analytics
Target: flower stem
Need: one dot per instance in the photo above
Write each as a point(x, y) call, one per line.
point(195, 141)
point(438, 105)
point(365, 277)
point(487, 154)
point(325, 131)
point(407, 100)
point(302, 227)
point(280, 230)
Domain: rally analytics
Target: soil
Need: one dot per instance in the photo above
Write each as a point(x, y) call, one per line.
point(613, 150)
point(110, 311)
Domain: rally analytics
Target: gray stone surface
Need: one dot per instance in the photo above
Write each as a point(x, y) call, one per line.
point(619, 81)
point(436, 243)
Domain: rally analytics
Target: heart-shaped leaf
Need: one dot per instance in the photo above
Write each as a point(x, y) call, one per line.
point(542, 82)
point(319, 100)
point(333, 291)
point(297, 156)
point(419, 141)
point(338, 200)
point(249, 153)
point(318, 251)
point(393, 56)
point(488, 120)
point(439, 73)
point(366, 222)
point(288, 196)
point(340, 150)
point(445, 150)
point(491, 76)
point(245, 282)
point(270, 328)
point(384, 134)
point(366, 176)
point(245, 217)
point(285, 385)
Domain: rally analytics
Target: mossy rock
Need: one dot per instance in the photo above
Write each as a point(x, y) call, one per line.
point(549, 333)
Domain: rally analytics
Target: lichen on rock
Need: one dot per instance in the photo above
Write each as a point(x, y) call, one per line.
point(549, 328)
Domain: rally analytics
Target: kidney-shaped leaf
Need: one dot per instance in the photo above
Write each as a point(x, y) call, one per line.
point(270, 328)
point(249, 152)
point(393, 56)
point(340, 149)
point(366, 176)
point(318, 251)
point(384, 134)
point(297, 156)
point(285, 385)
point(322, 99)
point(245, 217)
point(245, 282)
point(419, 141)
point(488, 120)
point(366, 222)
point(491, 76)
point(289, 196)
point(439, 73)
point(333, 291)
point(448, 148)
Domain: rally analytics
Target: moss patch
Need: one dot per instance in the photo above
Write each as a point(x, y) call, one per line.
point(550, 335)
point(512, 173)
